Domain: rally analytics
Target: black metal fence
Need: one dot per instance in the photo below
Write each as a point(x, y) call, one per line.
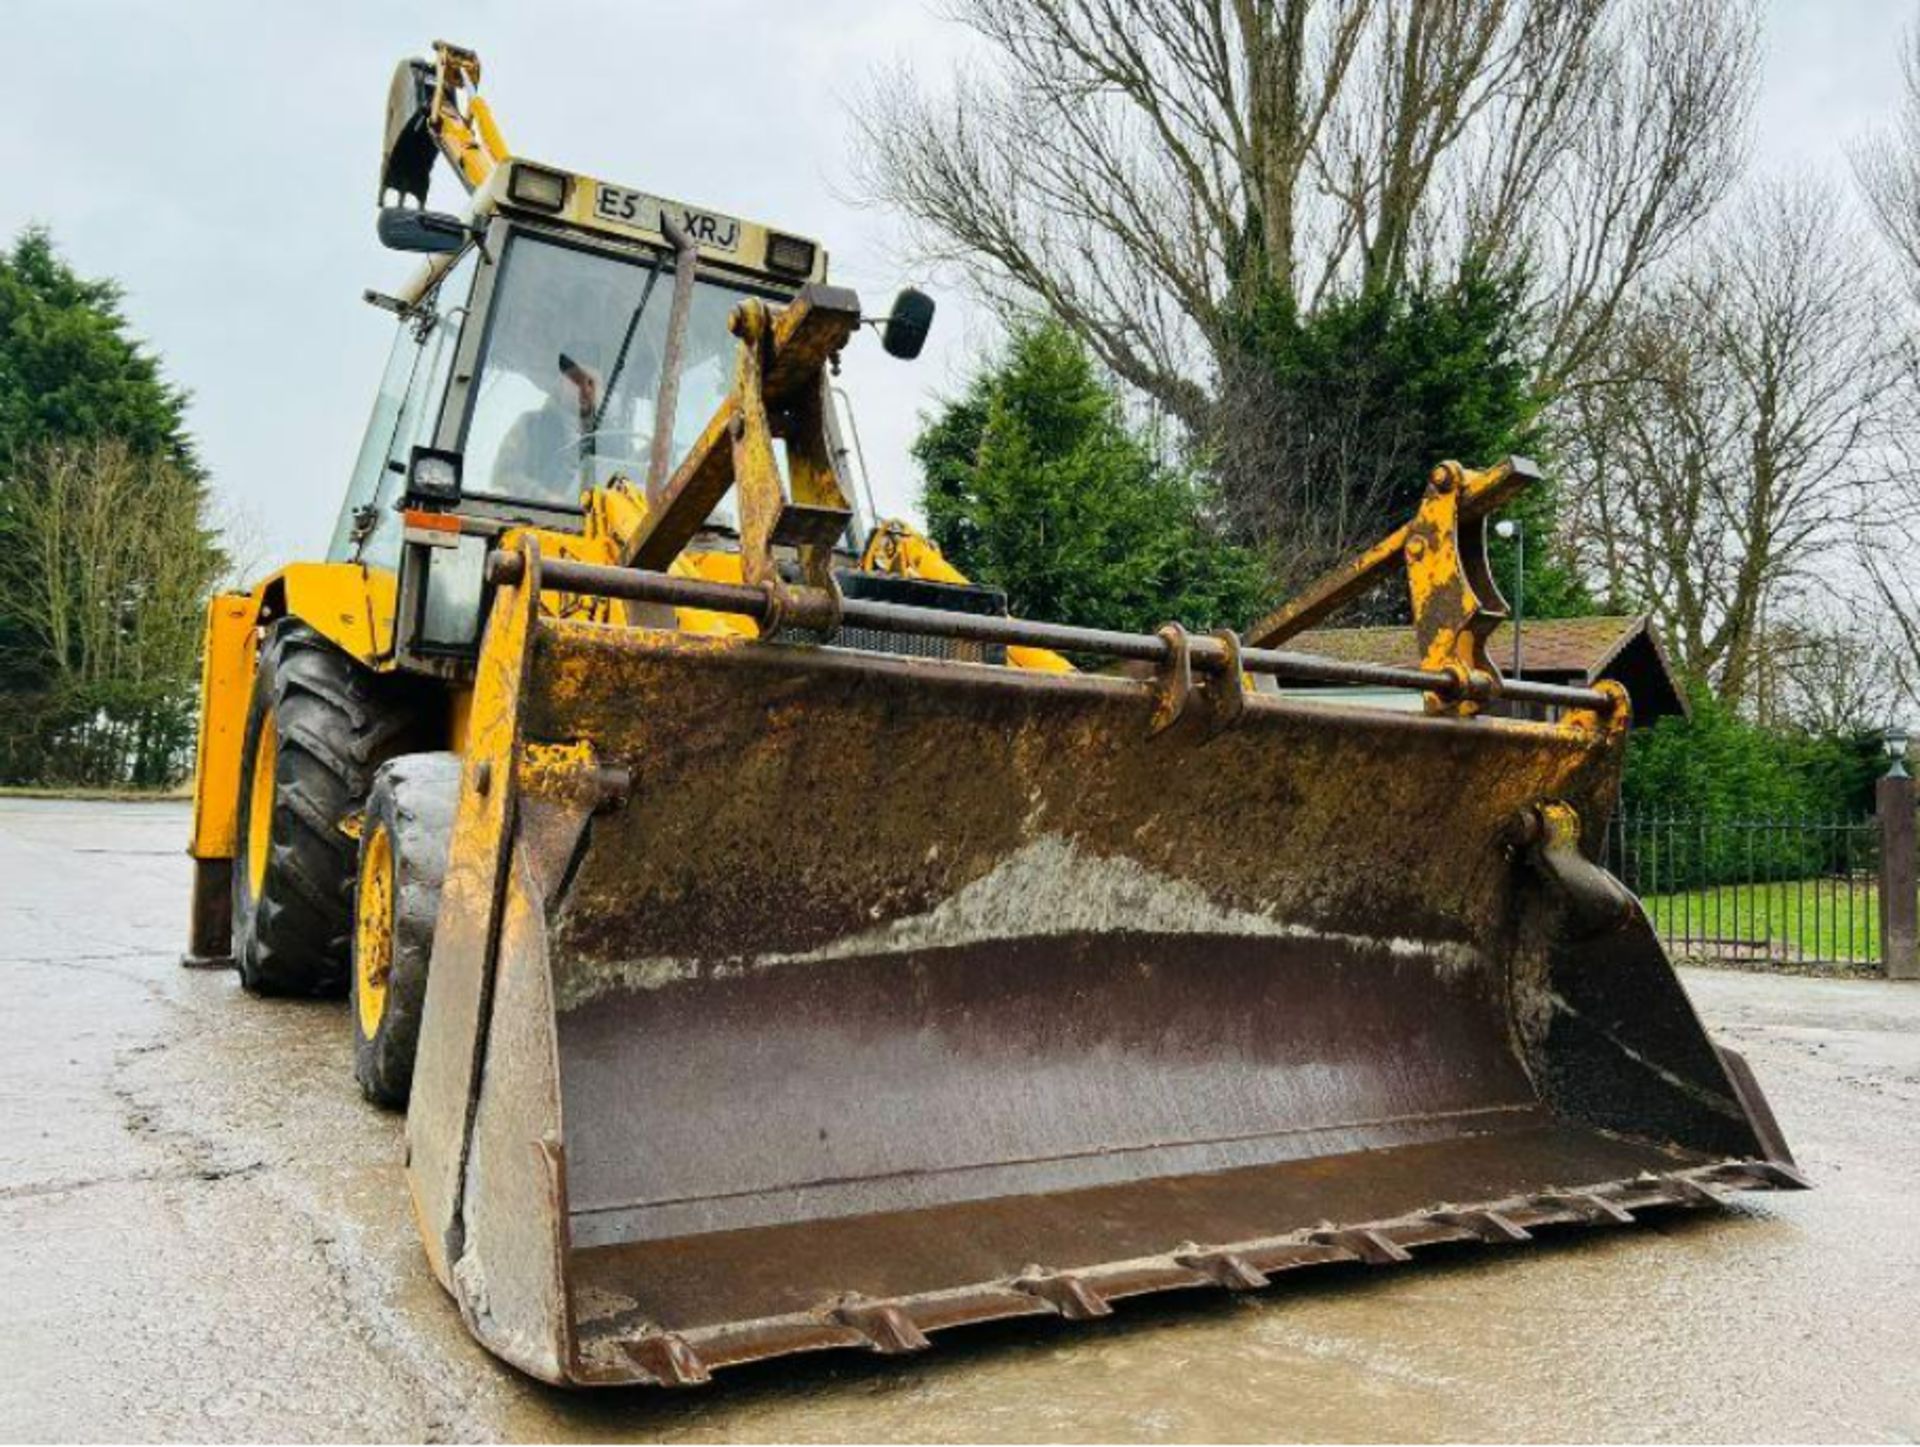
point(1764, 891)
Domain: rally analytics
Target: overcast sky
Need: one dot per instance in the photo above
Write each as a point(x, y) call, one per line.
point(219, 159)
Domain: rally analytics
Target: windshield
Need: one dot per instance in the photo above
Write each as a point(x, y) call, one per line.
point(564, 397)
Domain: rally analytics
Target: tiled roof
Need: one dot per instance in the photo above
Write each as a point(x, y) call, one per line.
point(1570, 647)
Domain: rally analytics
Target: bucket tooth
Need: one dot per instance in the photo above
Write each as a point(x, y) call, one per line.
point(1587, 1205)
point(668, 1360)
point(1763, 1175)
point(1489, 1225)
point(1069, 1295)
point(1228, 1269)
point(1691, 1191)
point(887, 1328)
point(1365, 1243)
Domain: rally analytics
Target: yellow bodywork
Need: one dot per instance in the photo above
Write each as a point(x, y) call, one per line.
point(226, 681)
point(349, 605)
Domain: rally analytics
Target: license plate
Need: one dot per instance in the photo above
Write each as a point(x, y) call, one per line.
point(709, 229)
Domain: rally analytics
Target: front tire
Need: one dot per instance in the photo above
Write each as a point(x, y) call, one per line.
point(319, 724)
point(403, 860)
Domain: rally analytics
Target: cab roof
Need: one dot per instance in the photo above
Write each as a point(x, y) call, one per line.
point(529, 188)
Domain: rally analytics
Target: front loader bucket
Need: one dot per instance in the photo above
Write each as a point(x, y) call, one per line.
point(789, 998)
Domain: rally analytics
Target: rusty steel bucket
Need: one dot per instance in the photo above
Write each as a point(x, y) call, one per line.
point(789, 998)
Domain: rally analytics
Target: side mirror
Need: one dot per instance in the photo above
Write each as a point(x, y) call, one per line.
point(907, 324)
point(403, 228)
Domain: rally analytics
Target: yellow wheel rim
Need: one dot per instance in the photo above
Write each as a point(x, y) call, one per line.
point(260, 803)
point(373, 929)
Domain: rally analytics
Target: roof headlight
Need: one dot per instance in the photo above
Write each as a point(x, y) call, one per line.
point(537, 188)
point(790, 254)
point(433, 475)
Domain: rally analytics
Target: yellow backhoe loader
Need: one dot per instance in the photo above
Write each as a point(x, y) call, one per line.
point(779, 947)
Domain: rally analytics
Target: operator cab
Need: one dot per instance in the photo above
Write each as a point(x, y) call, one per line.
point(526, 371)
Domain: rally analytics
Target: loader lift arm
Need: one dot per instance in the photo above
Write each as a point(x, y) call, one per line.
point(779, 391)
point(1443, 548)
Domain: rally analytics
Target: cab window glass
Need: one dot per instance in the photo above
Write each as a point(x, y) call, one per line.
point(564, 396)
point(403, 415)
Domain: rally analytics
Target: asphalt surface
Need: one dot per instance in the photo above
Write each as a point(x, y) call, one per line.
point(204, 1234)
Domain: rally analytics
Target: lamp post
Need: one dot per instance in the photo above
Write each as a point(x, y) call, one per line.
point(1894, 740)
point(1513, 531)
point(1899, 862)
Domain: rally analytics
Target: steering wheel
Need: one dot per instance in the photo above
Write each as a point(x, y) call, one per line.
point(570, 454)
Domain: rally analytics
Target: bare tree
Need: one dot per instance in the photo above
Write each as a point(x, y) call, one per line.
point(245, 545)
point(1722, 449)
point(1887, 167)
point(107, 565)
point(1828, 678)
point(1887, 537)
point(1135, 166)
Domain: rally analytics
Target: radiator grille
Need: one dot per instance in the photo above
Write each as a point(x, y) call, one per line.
point(917, 593)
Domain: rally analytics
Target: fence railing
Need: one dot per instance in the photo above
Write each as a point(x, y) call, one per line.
point(1763, 891)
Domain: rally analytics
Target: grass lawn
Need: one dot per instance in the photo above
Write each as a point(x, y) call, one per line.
point(1813, 919)
point(111, 796)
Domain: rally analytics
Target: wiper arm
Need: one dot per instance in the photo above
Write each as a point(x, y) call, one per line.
point(626, 344)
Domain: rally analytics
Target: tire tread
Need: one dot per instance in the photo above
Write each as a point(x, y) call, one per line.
point(416, 796)
point(336, 721)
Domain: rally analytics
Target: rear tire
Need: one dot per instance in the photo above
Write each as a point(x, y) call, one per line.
point(319, 724)
point(403, 859)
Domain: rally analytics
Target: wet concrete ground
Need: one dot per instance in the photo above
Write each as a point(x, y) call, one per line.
point(204, 1235)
